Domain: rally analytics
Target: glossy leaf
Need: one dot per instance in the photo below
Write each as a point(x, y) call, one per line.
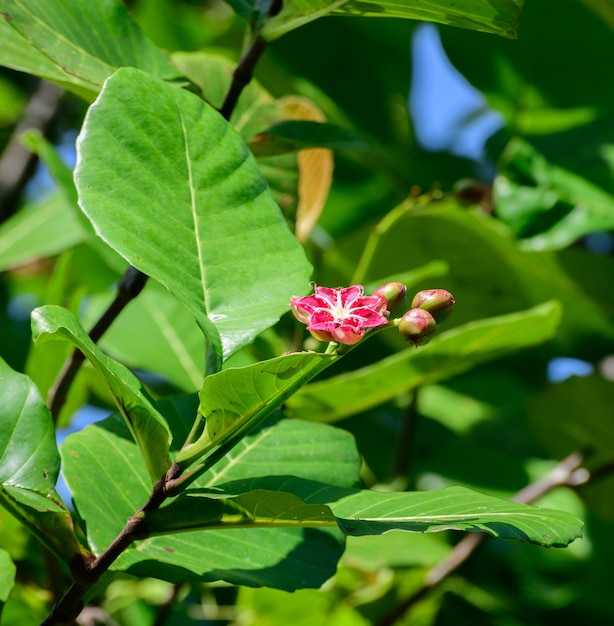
point(76, 37)
point(501, 19)
point(454, 508)
point(448, 354)
point(146, 424)
point(202, 220)
point(283, 558)
point(546, 206)
point(30, 464)
point(236, 400)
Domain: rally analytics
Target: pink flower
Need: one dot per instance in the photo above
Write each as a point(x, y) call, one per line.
point(340, 315)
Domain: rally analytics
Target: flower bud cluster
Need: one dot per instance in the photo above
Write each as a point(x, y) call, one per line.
point(429, 307)
point(345, 314)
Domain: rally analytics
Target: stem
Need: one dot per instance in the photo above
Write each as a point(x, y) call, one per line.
point(129, 288)
point(566, 473)
point(242, 75)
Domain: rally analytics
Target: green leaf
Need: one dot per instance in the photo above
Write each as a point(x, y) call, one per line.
point(369, 512)
point(202, 220)
point(501, 18)
point(256, 508)
point(7, 577)
point(454, 508)
point(19, 54)
point(76, 37)
point(292, 136)
point(146, 424)
point(547, 206)
point(38, 230)
point(101, 465)
point(236, 400)
point(450, 353)
point(30, 464)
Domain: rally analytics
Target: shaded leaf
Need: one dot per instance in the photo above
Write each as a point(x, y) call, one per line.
point(77, 38)
point(501, 18)
point(146, 424)
point(448, 354)
point(291, 136)
point(202, 220)
point(30, 464)
point(38, 230)
point(255, 508)
point(7, 576)
point(548, 207)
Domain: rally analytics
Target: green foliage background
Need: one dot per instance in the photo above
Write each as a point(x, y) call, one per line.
point(527, 288)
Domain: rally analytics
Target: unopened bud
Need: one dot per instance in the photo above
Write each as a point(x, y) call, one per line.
point(394, 293)
point(417, 326)
point(438, 302)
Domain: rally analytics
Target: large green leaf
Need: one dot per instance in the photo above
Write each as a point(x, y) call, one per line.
point(454, 508)
point(237, 399)
point(80, 39)
point(451, 353)
point(146, 424)
point(545, 205)
point(30, 464)
point(500, 18)
point(284, 558)
point(201, 219)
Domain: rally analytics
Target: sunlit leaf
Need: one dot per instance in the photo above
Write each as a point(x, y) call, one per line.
point(7, 576)
point(202, 220)
point(455, 508)
point(236, 400)
point(147, 425)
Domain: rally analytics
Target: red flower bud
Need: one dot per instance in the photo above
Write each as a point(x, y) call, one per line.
point(393, 293)
point(417, 326)
point(438, 302)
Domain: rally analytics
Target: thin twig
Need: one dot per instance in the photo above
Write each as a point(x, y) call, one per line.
point(244, 71)
point(566, 473)
point(17, 162)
